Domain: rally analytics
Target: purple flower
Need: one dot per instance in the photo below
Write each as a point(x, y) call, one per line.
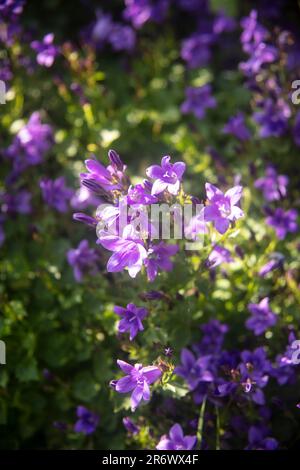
point(262, 317)
point(236, 127)
point(139, 195)
point(222, 208)
point(272, 185)
point(141, 11)
point(194, 371)
point(137, 381)
point(131, 319)
point(16, 203)
point(87, 422)
point(130, 426)
point(83, 260)
point(284, 368)
point(83, 198)
point(109, 178)
point(198, 99)
point(30, 144)
point(122, 38)
point(213, 337)
point(275, 262)
point(46, 51)
point(258, 439)
point(283, 222)
point(56, 194)
point(261, 54)
point(196, 50)
point(272, 118)
point(250, 376)
point(102, 27)
point(176, 440)
point(85, 219)
point(253, 32)
point(223, 23)
point(218, 256)
point(167, 176)
point(159, 258)
point(129, 250)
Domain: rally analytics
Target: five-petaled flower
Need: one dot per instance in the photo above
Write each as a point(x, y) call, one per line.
point(222, 208)
point(137, 381)
point(167, 176)
point(131, 319)
point(176, 440)
point(87, 421)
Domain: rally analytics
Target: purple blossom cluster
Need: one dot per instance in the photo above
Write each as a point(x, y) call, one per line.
point(219, 375)
point(132, 242)
point(30, 145)
point(274, 188)
point(121, 37)
point(140, 12)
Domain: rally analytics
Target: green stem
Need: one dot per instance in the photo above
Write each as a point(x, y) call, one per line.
point(201, 423)
point(217, 429)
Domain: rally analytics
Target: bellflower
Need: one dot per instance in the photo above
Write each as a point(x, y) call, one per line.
point(16, 203)
point(253, 32)
point(218, 256)
point(198, 99)
point(137, 381)
point(122, 38)
point(83, 260)
point(250, 376)
point(31, 143)
point(130, 426)
point(284, 368)
point(56, 194)
point(275, 262)
point(194, 371)
point(131, 319)
point(261, 54)
point(102, 27)
point(87, 421)
point(139, 195)
point(140, 12)
point(236, 126)
point(223, 23)
point(213, 337)
point(83, 198)
point(167, 176)
point(261, 318)
point(272, 118)
point(46, 51)
point(222, 208)
point(159, 258)
point(272, 185)
point(176, 440)
point(258, 439)
point(196, 50)
point(109, 178)
point(129, 250)
point(283, 222)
